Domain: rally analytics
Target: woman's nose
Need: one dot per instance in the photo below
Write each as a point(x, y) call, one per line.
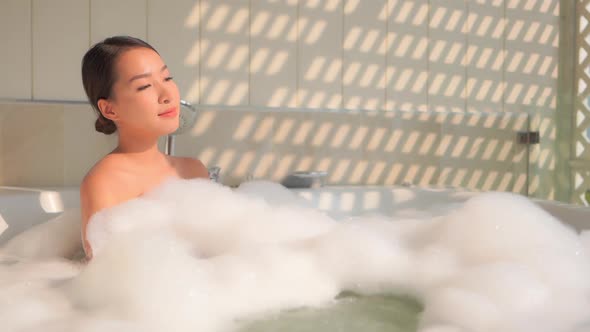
point(164, 96)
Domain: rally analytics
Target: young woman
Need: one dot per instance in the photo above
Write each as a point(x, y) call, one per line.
point(130, 88)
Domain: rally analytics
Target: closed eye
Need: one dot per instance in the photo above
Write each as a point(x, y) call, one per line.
point(143, 87)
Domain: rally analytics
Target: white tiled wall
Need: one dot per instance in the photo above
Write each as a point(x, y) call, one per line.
point(15, 35)
point(320, 54)
point(468, 55)
point(485, 56)
point(112, 17)
point(60, 38)
point(376, 148)
point(407, 55)
point(531, 46)
point(33, 150)
point(48, 144)
point(174, 32)
point(364, 54)
point(56, 144)
point(225, 52)
point(273, 42)
point(447, 49)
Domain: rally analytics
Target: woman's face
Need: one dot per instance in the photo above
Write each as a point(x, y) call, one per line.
point(145, 99)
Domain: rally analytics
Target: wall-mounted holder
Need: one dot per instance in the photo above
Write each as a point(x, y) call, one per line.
point(528, 137)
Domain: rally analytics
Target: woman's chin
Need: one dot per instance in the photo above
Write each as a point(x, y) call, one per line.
point(170, 129)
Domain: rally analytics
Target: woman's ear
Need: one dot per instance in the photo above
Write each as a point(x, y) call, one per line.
point(106, 109)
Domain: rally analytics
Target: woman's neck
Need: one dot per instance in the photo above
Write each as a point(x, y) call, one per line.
point(144, 150)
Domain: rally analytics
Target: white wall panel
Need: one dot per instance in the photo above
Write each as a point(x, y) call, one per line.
point(320, 54)
point(364, 54)
point(60, 39)
point(174, 32)
point(273, 60)
point(15, 58)
point(224, 52)
point(113, 17)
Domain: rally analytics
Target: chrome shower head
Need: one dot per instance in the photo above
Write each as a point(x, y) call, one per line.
point(186, 118)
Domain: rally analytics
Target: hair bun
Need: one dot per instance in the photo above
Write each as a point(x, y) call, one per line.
point(105, 126)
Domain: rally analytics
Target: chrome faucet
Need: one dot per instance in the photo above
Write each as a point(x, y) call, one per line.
point(215, 174)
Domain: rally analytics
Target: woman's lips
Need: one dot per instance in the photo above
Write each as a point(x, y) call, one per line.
point(171, 112)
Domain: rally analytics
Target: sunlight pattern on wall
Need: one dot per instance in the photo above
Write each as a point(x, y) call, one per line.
point(443, 149)
point(471, 55)
point(324, 58)
point(581, 133)
point(337, 73)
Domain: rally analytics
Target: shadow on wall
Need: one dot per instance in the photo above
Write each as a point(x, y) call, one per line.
point(470, 150)
point(411, 55)
point(396, 54)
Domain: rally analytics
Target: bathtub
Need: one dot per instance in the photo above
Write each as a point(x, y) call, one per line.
point(408, 201)
point(22, 208)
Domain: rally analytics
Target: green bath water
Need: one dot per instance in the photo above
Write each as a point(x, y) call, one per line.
point(349, 313)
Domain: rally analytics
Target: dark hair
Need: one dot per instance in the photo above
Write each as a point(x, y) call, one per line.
point(99, 73)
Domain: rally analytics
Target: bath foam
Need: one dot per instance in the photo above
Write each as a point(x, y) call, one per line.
point(585, 236)
point(3, 225)
point(519, 269)
point(193, 255)
point(58, 237)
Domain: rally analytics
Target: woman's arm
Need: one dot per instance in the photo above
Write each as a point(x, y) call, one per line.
point(95, 195)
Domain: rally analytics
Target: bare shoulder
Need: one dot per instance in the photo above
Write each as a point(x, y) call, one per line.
point(98, 176)
point(189, 168)
point(101, 187)
point(99, 190)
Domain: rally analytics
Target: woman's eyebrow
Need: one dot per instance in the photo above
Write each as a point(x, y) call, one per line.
point(145, 74)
